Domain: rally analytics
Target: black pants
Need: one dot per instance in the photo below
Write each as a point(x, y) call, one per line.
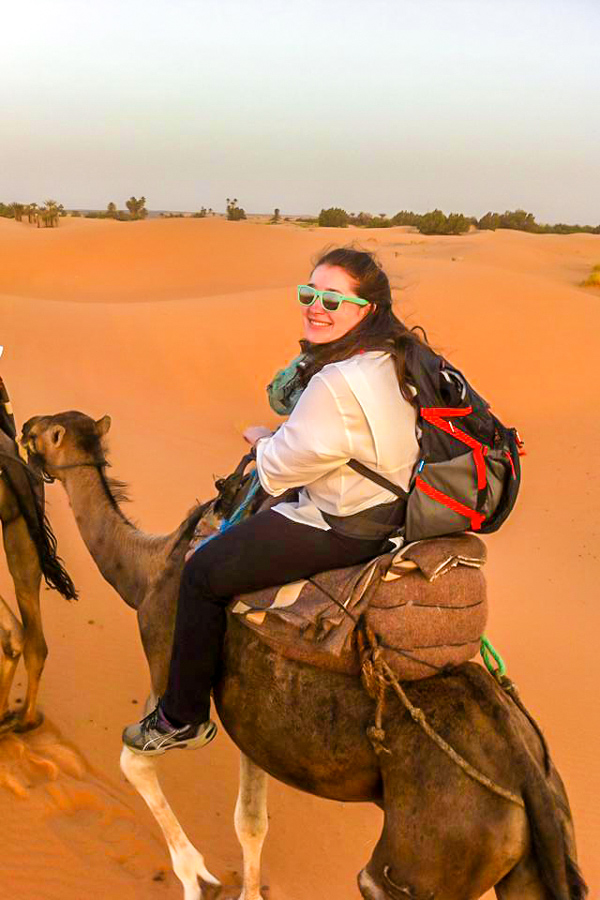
point(263, 551)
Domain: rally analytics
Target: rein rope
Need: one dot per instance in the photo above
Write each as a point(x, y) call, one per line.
point(377, 677)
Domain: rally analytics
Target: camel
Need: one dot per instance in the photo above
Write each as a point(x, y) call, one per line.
point(445, 836)
point(30, 548)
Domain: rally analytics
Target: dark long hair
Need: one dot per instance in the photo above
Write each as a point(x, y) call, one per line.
point(380, 329)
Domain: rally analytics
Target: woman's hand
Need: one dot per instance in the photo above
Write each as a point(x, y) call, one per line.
point(254, 432)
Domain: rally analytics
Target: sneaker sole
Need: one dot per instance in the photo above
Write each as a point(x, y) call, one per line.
point(190, 744)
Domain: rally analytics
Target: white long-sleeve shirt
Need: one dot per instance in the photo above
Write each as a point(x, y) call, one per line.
point(350, 410)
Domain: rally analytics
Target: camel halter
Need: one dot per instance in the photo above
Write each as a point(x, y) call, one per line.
point(50, 479)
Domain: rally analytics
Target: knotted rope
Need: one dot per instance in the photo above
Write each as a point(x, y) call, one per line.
point(377, 677)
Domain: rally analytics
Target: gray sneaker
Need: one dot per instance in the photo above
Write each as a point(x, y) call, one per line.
point(153, 736)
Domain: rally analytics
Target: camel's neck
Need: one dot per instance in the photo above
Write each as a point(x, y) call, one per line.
point(126, 557)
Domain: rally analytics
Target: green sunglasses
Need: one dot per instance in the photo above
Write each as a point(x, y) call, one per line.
point(330, 300)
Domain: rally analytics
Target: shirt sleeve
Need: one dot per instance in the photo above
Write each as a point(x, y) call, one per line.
point(313, 442)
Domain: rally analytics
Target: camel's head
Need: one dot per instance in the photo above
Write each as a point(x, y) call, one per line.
point(67, 440)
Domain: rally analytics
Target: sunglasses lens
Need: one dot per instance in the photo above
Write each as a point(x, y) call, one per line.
point(331, 301)
point(306, 296)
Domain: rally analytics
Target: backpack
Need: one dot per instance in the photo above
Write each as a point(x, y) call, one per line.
point(468, 474)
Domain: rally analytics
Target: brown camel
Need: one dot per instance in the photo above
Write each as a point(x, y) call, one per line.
point(30, 549)
point(445, 836)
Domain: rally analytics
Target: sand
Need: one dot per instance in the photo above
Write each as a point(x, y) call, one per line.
point(174, 327)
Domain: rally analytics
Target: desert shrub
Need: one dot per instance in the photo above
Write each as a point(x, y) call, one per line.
point(334, 217)
point(234, 212)
point(405, 217)
point(380, 221)
point(489, 222)
point(434, 222)
point(593, 279)
point(362, 220)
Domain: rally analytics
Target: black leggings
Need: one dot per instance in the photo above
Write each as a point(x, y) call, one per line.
point(266, 550)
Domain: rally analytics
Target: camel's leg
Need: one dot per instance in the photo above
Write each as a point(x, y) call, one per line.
point(188, 863)
point(523, 883)
point(251, 824)
point(488, 835)
point(24, 567)
point(11, 642)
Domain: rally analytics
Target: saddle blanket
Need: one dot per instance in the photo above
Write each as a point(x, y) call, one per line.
point(426, 603)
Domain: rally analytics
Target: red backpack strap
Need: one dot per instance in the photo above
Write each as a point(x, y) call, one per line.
point(474, 517)
point(437, 416)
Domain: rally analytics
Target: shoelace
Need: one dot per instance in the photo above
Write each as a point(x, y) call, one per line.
point(151, 720)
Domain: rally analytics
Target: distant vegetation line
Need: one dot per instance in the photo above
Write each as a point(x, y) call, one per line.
point(437, 222)
point(49, 213)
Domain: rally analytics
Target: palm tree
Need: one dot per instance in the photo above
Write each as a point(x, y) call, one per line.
point(137, 208)
point(18, 210)
point(111, 209)
point(50, 212)
point(32, 212)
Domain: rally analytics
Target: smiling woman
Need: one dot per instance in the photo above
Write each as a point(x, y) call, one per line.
point(350, 402)
point(330, 306)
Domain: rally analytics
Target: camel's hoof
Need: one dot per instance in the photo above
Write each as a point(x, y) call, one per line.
point(8, 722)
point(22, 726)
point(210, 891)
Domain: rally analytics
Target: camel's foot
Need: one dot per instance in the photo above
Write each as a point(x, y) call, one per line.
point(28, 724)
point(8, 722)
point(196, 880)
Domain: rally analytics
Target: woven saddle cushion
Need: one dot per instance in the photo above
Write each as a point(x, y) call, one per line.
point(427, 604)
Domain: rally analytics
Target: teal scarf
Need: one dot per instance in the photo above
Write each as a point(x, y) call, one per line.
point(285, 389)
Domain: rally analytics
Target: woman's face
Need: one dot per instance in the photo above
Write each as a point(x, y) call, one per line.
point(321, 326)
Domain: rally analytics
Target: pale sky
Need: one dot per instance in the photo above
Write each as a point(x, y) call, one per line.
point(376, 105)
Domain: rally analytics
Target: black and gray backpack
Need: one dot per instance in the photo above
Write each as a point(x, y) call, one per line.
point(468, 474)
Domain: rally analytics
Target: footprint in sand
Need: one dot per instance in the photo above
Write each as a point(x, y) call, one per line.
point(79, 807)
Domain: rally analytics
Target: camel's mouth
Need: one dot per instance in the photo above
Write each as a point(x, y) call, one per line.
point(33, 459)
point(28, 451)
point(22, 448)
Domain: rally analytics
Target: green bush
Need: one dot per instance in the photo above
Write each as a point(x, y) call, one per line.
point(405, 217)
point(334, 217)
point(520, 220)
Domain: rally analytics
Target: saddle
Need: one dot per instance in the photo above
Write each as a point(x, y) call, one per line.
point(426, 604)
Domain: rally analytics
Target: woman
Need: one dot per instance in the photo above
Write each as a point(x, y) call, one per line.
point(348, 399)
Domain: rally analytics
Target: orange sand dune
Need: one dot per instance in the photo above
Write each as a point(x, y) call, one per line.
point(188, 321)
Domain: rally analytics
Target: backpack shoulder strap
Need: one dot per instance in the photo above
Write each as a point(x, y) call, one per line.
point(377, 478)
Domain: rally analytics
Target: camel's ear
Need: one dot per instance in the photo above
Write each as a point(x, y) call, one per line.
point(57, 433)
point(102, 426)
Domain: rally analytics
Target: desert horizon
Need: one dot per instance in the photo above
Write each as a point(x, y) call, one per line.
point(174, 327)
